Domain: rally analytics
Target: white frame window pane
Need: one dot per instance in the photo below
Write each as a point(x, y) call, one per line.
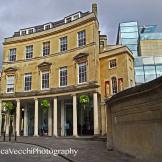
point(12, 55)
point(10, 84)
point(27, 82)
point(81, 38)
point(63, 44)
point(29, 52)
point(63, 76)
point(114, 85)
point(82, 72)
point(112, 63)
point(45, 80)
point(46, 48)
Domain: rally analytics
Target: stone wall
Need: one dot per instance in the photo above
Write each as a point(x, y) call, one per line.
point(136, 120)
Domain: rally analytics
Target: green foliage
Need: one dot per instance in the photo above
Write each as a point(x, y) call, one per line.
point(45, 104)
point(84, 100)
point(9, 107)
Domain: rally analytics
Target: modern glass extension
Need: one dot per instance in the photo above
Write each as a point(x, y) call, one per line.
point(147, 68)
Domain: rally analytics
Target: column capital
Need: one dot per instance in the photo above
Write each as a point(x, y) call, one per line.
point(74, 94)
point(35, 98)
point(55, 97)
point(17, 100)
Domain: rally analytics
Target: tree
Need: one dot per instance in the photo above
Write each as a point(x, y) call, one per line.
point(45, 104)
point(84, 100)
point(9, 107)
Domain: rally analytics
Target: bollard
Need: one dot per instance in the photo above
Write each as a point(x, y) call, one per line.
point(4, 136)
point(15, 136)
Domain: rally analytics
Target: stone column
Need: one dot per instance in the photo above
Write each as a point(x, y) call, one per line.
point(103, 118)
point(109, 128)
point(36, 118)
point(55, 116)
point(50, 120)
point(18, 118)
point(7, 118)
point(96, 116)
point(62, 118)
point(75, 132)
point(0, 116)
point(26, 121)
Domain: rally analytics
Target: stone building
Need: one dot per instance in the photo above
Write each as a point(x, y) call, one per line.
point(58, 62)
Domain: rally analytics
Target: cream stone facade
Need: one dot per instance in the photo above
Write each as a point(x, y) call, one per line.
point(116, 74)
point(152, 47)
point(59, 62)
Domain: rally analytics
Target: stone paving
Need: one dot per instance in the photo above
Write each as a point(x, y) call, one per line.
point(88, 150)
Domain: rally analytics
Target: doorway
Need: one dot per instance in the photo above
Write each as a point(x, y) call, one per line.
point(68, 119)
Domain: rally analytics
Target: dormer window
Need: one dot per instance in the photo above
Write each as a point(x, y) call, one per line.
point(47, 26)
point(69, 19)
point(23, 32)
point(72, 17)
point(77, 16)
point(30, 31)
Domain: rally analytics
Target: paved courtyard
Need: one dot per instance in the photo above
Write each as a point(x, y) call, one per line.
point(88, 150)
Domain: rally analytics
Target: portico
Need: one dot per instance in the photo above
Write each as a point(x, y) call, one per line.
point(65, 116)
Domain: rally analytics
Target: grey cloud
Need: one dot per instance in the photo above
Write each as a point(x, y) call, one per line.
point(18, 14)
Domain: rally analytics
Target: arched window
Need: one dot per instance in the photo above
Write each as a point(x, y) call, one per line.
point(114, 85)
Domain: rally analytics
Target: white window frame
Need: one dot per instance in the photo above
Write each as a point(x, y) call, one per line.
point(78, 38)
point(30, 29)
point(10, 84)
point(110, 63)
point(77, 14)
point(30, 75)
point(63, 44)
point(12, 54)
point(85, 63)
point(73, 17)
point(46, 48)
point(63, 69)
point(45, 72)
point(27, 51)
point(49, 24)
point(112, 85)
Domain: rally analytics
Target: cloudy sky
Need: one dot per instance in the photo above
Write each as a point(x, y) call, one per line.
point(16, 14)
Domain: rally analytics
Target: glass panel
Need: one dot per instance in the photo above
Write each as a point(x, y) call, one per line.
point(129, 29)
point(139, 70)
point(132, 47)
point(149, 77)
point(148, 60)
point(134, 23)
point(129, 35)
point(129, 41)
point(159, 70)
point(139, 79)
point(138, 61)
point(150, 73)
point(158, 60)
point(149, 36)
point(149, 70)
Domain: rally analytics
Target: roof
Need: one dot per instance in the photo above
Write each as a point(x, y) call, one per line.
point(55, 24)
point(114, 50)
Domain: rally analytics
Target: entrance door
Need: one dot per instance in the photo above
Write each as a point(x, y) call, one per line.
point(68, 119)
point(30, 121)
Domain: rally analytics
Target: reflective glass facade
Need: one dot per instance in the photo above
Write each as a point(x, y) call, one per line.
point(147, 68)
point(129, 35)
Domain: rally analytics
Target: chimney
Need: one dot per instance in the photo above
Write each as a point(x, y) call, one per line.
point(94, 8)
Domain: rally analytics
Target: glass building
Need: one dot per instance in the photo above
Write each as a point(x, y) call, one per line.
point(128, 34)
point(147, 68)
